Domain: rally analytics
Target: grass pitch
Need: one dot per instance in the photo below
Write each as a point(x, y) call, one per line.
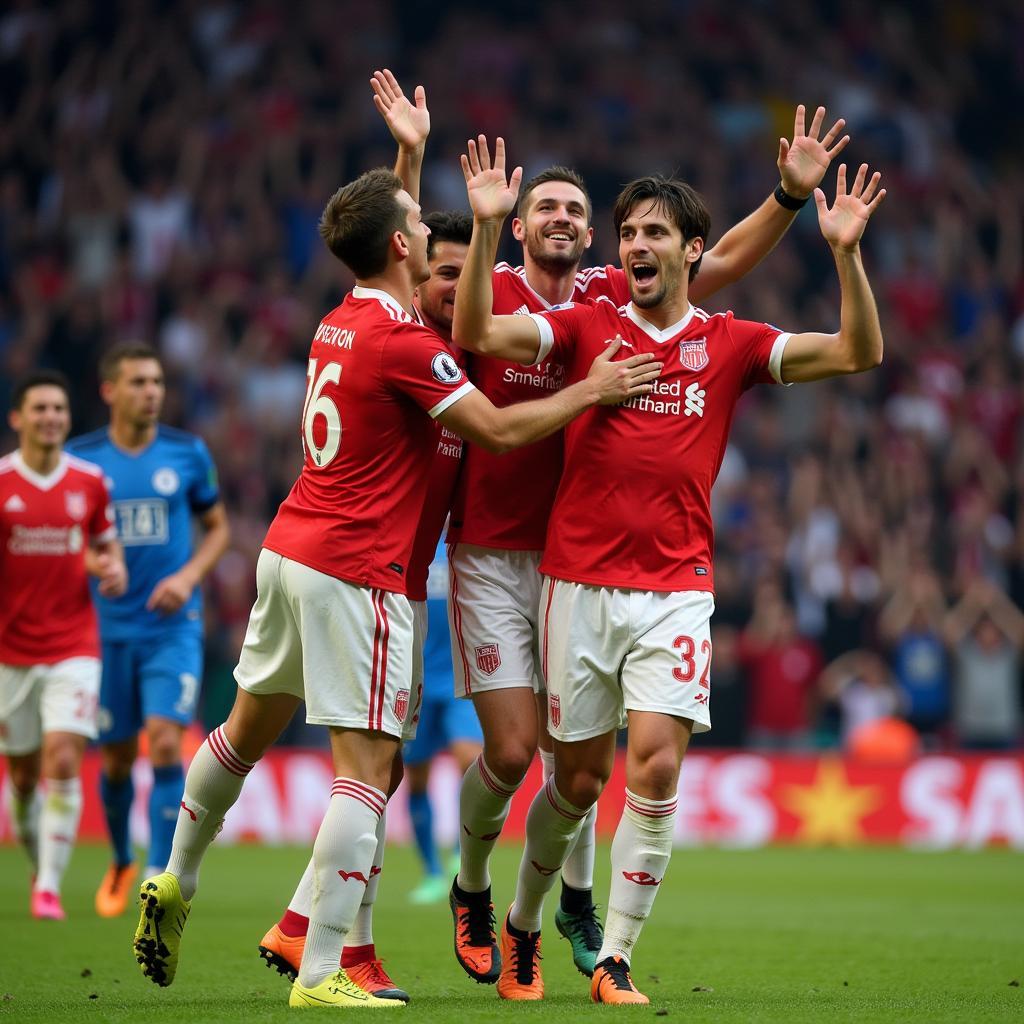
point(788, 935)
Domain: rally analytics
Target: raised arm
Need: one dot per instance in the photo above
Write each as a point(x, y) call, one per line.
point(802, 164)
point(491, 198)
point(609, 382)
point(857, 346)
point(409, 124)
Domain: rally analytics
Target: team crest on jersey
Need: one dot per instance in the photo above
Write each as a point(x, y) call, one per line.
point(554, 709)
point(444, 368)
point(401, 704)
point(165, 481)
point(694, 354)
point(75, 504)
point(488, 658)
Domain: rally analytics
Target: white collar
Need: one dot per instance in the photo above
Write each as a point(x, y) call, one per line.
point(44, 483)
point(385, 299)
point(649, 329)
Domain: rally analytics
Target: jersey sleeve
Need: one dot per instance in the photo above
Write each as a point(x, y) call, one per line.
point(204, 491)
point(418, 363)
point(102, 519)
point(559, 329)
point(760, 347)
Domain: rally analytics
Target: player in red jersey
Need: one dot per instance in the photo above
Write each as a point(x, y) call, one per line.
point(627, 593)
point(56, 526)
point(500, 519)
point(332, 624)
point(283, 944)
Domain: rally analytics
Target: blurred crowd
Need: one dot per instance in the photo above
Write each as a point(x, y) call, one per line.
point(162, 171)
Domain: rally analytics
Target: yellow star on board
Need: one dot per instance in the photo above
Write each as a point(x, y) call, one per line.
point(830, 809)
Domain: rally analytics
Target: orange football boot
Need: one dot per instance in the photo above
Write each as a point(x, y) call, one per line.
point(612, 984)
point(520, 965)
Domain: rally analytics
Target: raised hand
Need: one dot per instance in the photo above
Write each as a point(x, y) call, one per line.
point(491, 197)
point(409, 123)
point(844, 224)
point(804, 161)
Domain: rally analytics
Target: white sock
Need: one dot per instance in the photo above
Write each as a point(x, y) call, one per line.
point(58, 827)
point(343, 860)
point(361, 932)
point(483, 808)
point(578, 869)
point(640, 853)
point(551, 826)
point(302, 901)
point(212, 785)
point(25, 811)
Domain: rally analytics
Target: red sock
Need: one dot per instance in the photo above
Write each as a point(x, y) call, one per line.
point(293, 925)
point(352, 955)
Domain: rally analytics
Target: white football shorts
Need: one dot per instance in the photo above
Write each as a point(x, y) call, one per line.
point(37, 699)
point(344, 649)
point(493, 598)
point(605, 651)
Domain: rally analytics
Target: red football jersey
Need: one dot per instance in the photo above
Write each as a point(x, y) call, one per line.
point(46, 522)
point(503, 501)
point(444, 471)
point(375, 376)
point(633, 508)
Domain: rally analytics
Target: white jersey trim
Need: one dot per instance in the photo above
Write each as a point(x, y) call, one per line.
point(43, 483)
point(775, 359)
point(449, 400)
point(653, 332)
point(547, 338)
point(389, 302)
point(520, 272)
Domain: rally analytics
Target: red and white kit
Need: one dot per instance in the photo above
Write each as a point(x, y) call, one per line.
point(444, 472)
point(49, 637)
point(633, 510)
point(333, 578)
point(501, 507)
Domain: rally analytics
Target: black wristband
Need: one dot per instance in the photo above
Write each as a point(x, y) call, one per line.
point(788, 202)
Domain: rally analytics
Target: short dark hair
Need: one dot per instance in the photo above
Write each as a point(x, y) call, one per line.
point(683, 204)
point(557, 173)
point(36, 379)
point(360, 218)
point(111, 360)
point(448, 226)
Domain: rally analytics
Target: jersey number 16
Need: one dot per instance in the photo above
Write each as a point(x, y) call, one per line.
point(319, 404)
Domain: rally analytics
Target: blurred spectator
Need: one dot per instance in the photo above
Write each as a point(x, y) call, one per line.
point(986, 633)
point(861, 686)
point(782, 671)
point(911, 624)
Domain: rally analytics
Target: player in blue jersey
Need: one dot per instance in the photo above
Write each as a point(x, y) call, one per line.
point(152, 636)
point(446, 724)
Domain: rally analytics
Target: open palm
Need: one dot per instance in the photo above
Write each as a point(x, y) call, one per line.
point(491, 196)
point(804, 161)
point(843, 225)
point(409, 123)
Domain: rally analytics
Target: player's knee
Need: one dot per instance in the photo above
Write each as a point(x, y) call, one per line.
point(24, 777)
point(62, 762)
point(581, 787)
point(656, 775)
point(510, 761)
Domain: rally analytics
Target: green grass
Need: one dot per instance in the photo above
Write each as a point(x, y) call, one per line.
point(774, 935)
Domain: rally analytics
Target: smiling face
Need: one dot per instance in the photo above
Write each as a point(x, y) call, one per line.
point(654, 254)
point(416, 235)
point(436, 297)
point(555, 228)
point(43, 419)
